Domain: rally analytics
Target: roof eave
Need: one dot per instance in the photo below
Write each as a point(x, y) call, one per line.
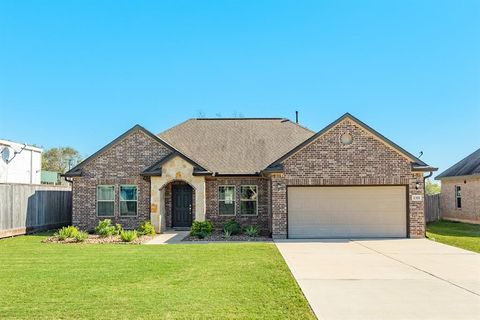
point(151, 174)
point(418, 168)
point(70, 173)
point(467, 176)
point(256, 174)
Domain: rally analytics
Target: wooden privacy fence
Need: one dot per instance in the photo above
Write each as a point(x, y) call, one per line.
point(432, 208)
point(26, 208)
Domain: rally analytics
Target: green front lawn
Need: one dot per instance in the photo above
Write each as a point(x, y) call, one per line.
point(191, 281)
point(462, 235)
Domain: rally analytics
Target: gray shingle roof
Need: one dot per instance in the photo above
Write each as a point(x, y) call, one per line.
point(465, 167)
point(238, 145)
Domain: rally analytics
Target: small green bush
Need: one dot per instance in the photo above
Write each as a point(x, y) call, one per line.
point(227, 234)
point(128, 235)
point(252, 231)
point(81, 236)
point(147, 229)
point(106, 229)
point(201, 234)
point(201, 226)
point(232, 226)
point(67, 232)
point(118, 229)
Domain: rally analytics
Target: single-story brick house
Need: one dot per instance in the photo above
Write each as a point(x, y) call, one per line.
point(345, 181)
point(460, 195)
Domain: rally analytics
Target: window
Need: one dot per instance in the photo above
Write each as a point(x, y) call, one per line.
point(248, 200)
point(458, 197)
point(226, 200)
point(105, 200)
point(128, 200)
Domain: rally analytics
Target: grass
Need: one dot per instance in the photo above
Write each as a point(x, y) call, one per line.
point(458, 234)
point(191, 281)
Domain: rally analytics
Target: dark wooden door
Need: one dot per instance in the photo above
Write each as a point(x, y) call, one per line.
point(181, 206)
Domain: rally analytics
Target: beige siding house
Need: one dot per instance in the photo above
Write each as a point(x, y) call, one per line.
point(460, 196)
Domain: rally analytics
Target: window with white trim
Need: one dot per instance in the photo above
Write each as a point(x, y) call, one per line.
point(128, 200)
point(226, 200)
point(105, 200)
point(248, 200)
point(458, 197)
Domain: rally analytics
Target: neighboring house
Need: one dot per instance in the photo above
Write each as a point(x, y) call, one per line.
point(460, 195)
point(19, 163)
point(345, 181)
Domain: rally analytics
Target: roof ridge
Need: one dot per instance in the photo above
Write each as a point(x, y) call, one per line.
point(459, 165)
point(177, 125)
point(231, 118)
point(298, 125)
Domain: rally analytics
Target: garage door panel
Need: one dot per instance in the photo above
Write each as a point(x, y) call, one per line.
point(330, 212)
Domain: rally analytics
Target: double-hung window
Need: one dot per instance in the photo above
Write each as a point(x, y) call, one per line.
point(458, 197)
point(226, 200)
point(128, 200)
point(248, 200)
point(105, 200)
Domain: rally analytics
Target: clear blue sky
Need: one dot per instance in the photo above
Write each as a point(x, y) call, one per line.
point(80, 73)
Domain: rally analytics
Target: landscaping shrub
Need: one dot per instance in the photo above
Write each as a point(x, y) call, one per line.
point(227, 234)
point(232, 226)
point(106, 229)
point(252, 231)
point(81, 236)
point(201, 234)
point(118, 229)
point(206, 227)
point(147, 229)
point(67, 232)
point(128, 235)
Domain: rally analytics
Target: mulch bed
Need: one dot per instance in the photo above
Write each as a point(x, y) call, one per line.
point(218, 236)
point(96, 239)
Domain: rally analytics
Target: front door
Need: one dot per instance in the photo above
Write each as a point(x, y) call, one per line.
point(181, 206)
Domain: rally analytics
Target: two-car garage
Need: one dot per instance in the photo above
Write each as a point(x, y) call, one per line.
point(347, 211)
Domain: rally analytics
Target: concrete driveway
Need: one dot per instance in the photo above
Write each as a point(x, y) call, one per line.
point(385, 279)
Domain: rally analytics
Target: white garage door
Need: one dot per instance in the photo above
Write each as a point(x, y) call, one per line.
point(347, 212)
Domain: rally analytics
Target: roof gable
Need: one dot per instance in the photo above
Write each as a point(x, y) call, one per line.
point(156, 168)
point(416, 162)
point(470, 165)
point(77, 170)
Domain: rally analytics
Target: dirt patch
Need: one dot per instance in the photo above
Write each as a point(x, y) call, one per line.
point(96, 239)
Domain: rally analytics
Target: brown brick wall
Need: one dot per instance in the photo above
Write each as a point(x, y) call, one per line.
point(120, 164)
point(262, 220)
point(470, 189)
point(325, 161)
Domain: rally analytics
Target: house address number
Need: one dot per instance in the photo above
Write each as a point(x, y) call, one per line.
point(417, 197)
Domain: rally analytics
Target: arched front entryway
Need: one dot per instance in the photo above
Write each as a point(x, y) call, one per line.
point(176, 172)
point(179, 205)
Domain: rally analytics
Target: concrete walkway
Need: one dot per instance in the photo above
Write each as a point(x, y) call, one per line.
point(169, 237)
point(385, 279)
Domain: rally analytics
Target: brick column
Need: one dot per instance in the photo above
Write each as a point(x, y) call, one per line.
point(279, 207)
point(416, 208)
